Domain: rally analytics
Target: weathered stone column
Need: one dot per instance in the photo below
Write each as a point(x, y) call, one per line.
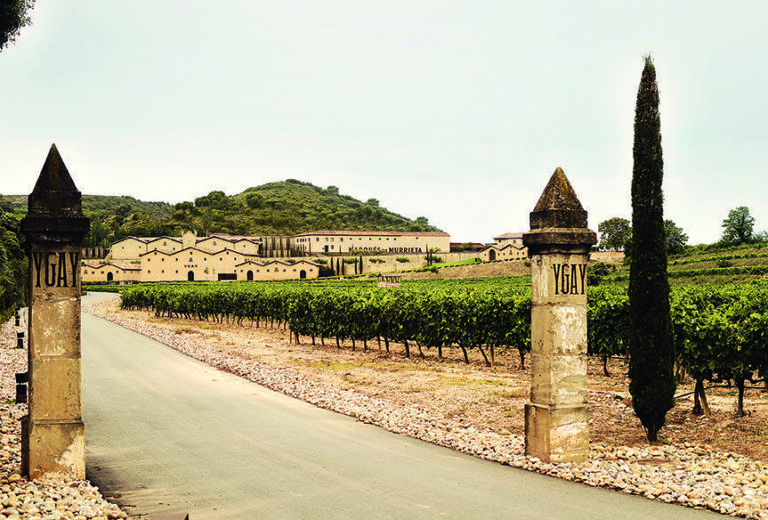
point(53, 434)
point(556, 427)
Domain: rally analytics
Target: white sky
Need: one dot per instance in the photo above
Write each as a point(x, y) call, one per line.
point(455, 110)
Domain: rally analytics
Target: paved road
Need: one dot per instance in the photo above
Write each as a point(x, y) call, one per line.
point(167, 434)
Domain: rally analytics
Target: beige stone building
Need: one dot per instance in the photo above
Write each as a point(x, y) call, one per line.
point(220, 257)
point(508, 246)
point(216, 257)
point(514, 239)
point(132, 248)
point(277, 270)
point(112, 272)
point(396, 242)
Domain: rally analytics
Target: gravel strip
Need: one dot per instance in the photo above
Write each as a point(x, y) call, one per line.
point(42, 499)
point(686, 474)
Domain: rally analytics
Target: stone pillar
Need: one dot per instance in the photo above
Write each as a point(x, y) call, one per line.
point(556, 427)
point(53, 434)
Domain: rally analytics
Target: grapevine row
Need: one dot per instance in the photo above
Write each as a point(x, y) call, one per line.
point(720, 331)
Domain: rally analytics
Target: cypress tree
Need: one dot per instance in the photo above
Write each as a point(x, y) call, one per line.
point(652, 356)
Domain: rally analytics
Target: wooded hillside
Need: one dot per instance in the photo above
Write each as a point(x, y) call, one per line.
point(277, 208)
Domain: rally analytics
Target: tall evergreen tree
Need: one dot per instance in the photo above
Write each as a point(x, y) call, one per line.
point(14, 14)
point(651, 366)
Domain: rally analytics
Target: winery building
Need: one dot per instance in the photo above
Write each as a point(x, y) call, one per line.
point(402, 242)
point(216, 257)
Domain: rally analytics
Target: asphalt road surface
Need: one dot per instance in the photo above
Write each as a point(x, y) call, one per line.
point(167, 434)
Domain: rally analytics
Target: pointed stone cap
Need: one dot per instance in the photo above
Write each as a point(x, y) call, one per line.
point(55, 205)
point(55, 193)
point(558, 206)
point(559, 222)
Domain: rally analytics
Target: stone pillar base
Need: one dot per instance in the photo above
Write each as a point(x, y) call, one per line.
point(557, 433)
point(52, 448)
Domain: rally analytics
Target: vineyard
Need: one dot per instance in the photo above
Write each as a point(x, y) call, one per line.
point(720, 331)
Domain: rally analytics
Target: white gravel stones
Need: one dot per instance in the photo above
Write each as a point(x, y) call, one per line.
point(47, 499)
point(696, 476)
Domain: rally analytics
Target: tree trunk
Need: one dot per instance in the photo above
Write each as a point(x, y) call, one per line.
point(605, 366)
point(740, 404)
point(700, 405)
point(487, 363)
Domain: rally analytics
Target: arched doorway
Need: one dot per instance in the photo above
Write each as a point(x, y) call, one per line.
point(110, 277)
point(249, 276)
point(302, 274)
point(492, 255)
point(191, 276)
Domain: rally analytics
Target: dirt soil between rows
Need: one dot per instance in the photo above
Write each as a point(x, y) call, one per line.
point(488, 398)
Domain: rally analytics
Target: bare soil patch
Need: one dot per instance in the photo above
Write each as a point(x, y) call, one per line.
point(487, 398)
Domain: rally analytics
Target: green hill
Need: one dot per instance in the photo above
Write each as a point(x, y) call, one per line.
point(277, 208)
point(95, 204)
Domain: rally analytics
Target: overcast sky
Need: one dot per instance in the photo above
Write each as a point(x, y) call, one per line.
point(459, 111)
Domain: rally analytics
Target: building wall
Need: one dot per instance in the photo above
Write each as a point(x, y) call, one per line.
point(165, 244)
point(395, 243)
point(92, 273)
point(214, 244)
point(277, 270)
point(512, 239)
point(157, 266)
point(507, 252)
point(247, 247)
point(130, 248)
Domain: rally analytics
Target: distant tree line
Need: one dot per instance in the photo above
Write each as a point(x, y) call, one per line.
point(738, 230)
